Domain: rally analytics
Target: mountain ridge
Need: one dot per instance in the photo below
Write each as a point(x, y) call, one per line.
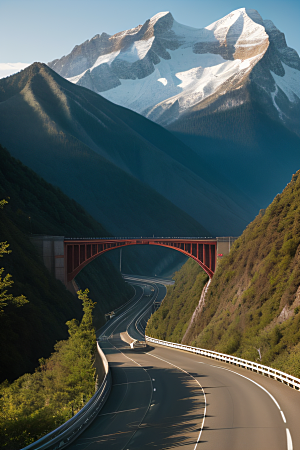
point(255, 151)
point(76, 133)
point(162, 68)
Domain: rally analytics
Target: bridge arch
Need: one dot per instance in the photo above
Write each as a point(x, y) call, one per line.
point(78, 252)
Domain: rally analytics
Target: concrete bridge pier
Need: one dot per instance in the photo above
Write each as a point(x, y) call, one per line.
point(52, 251)
point(224, 245)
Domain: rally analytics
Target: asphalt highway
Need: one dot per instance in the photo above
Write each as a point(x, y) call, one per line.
point(166, 398)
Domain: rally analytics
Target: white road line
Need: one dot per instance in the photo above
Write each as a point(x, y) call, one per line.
point(116, 319)
point(141, 313)
point(289, 440)
point(289, 437)
point(204, 415)
point(252, 381)
point(149, 405)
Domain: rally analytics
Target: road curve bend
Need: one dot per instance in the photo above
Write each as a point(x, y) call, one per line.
point(166, 398)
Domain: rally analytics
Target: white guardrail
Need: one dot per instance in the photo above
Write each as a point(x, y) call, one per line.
point(250, 365)
point(62, 436)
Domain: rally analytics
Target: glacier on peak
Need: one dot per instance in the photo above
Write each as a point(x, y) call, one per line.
point(163, 65)
point(239, 26)
point(138, 50)
point(289, 83)
point(158, 16)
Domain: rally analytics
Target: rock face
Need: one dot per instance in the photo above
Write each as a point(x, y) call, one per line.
point(163, 69)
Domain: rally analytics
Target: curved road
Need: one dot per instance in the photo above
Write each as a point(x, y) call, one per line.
point(166, 398)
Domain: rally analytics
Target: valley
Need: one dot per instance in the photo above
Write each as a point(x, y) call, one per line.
point(150, 231)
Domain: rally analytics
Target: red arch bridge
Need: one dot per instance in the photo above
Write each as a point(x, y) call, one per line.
point(66, 257)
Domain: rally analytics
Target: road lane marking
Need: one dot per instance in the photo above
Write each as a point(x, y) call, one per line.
point(289, 440)
point(116, 319)
point(283, 416)
point(240, 375)
point(114, 325)
point(141, 313)
point(149, 405)
point(289, 437)
point(204, 414)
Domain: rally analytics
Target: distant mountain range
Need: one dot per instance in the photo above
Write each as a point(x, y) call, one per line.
point(230, 91)
point(130, 174)
point(164, 70)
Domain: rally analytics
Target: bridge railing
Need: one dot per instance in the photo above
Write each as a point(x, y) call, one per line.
point(250, 365)
point(112, 238)
point(62, 436)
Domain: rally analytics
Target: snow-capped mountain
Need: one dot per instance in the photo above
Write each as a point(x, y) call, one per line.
point(163, 69)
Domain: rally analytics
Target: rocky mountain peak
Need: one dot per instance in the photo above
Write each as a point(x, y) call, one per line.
point(162, 69)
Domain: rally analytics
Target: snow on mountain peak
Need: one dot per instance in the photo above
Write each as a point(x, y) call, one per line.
point(137, 50)
point(255, 16)
point(158, 16)
point(239, 25)
point(162, 68)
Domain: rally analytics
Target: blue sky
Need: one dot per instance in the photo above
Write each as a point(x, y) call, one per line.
point(40, 30)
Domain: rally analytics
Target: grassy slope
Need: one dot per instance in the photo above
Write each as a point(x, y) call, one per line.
point(254, 298)
point(170, 321)
point(30, 332)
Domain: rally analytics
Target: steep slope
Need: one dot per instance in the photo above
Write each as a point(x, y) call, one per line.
point(252, 308)
point(115, 162)
point(171, 320)
point(257, 153)
point(30, 332)
point(162, 69)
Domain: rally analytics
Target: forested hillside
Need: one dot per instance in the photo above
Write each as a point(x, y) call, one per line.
point(171, 320)
point(35, 404)
point(34, 206)
point(252, 308)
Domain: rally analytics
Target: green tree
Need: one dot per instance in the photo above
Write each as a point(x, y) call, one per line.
point(6, 280)
point(35, 404)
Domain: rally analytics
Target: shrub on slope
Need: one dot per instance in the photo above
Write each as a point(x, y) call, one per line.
point(252, 307)
point(171, 320)
point(35, 404)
